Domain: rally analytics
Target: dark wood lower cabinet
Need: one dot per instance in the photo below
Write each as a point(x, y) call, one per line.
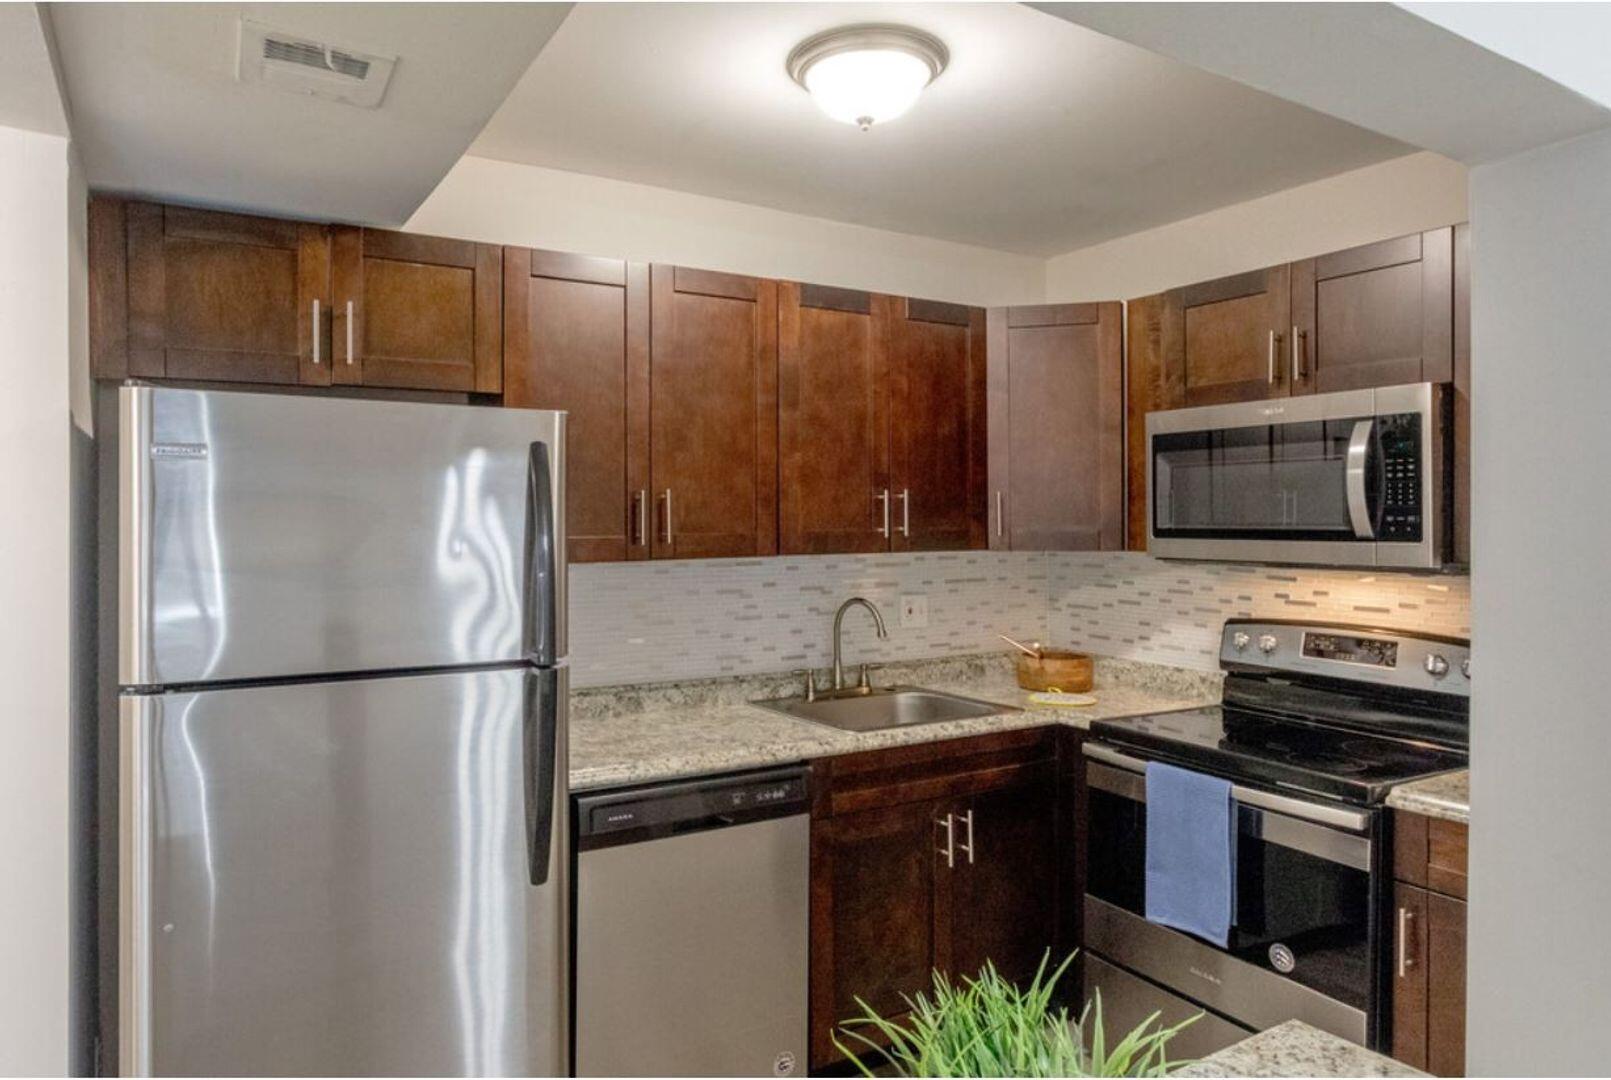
point(1429, 944)
point(933, 857)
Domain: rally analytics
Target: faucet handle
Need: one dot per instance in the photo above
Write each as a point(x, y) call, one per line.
point(811, 682)
point(864, 681)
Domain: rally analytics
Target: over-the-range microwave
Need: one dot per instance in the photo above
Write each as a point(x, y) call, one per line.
point(1354, 478)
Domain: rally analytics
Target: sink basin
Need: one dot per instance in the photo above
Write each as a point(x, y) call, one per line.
point(886, 707)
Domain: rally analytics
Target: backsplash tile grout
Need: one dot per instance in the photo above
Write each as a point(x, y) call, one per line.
point(661, 621)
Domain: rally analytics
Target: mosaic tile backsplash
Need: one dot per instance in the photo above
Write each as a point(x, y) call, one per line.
point(657, 621)
point(660, 621)
point(1131, 605)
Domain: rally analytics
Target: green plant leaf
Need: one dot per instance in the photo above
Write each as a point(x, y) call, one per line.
point(985, 1026)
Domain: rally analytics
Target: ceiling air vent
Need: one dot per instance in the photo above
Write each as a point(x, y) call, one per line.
point(304, 66)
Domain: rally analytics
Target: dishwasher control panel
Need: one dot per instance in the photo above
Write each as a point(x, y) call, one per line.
point(713, 802)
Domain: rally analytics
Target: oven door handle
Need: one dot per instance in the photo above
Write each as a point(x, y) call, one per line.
point(1358, 456)
point(1327, 842)
point(1334, 816)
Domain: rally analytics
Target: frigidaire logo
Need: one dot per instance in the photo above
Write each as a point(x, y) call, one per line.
point(1203, 975)
point(1273, 411)
point(179, 449)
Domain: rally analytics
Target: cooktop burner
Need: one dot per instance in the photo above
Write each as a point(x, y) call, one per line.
point(1281, 751)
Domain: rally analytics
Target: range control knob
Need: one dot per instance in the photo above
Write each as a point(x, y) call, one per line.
point(1436, 665)
point(1239, 640)
point(1465, 667)
point(1267, 643)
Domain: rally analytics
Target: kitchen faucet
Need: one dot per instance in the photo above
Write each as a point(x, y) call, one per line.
point(838, 624)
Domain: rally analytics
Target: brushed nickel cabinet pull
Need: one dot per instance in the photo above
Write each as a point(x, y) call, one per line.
point(1001, 517)
point(640, 528)
point(1270, 378)
point(883, 499)
point(950, 848)
point(316, 334)
point(1292, 350)
point(967, 819)
point(349, 331)
point(906, 512)
point(1405, 961)
point(668, 516)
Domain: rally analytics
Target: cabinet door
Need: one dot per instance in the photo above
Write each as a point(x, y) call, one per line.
point(576, 337)
point(872, 915)
point(1409, 974)
point(419, 312)
point(1055, 429)
point(1232, 338)
point(938, 448)
point(833, 420)
point(1000, 896)
point(1446, 985)
point(227, 297)
point(713, 414)
point(1377, 315)
point(1154, 381)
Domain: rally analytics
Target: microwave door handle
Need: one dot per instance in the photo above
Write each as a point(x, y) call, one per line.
point(1358, 506)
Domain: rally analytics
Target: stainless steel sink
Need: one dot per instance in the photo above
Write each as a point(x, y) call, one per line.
point(885, 707)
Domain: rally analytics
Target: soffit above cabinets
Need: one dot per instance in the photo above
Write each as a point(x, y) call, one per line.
point(158, 110)
point(1040, 136)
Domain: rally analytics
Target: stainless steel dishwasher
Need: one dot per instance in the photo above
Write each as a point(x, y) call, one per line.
point(691, 927)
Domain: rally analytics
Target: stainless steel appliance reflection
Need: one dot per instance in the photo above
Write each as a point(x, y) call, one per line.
point(341, 715)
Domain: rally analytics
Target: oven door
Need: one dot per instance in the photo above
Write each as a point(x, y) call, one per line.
point(1326, 479)
point(1305, 942)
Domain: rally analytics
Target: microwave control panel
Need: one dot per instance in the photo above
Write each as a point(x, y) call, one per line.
point(1402, 514)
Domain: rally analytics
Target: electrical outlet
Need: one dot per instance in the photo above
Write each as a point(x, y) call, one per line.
point(915, 610)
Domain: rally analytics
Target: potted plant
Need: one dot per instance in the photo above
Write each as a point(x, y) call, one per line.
point(986, 1026)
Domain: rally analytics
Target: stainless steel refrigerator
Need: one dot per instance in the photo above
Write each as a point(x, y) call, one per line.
point(342, 737)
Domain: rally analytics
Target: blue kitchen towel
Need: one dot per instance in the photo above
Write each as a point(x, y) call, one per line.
point(1191, 852)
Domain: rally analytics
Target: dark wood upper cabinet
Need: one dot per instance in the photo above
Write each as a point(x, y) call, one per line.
point(576, 337)
point(1232, 338)
point(833, 420)
point(419, 312)
point(1377, 315)
point(1056, 414)
point(713, 414)
point(180, 293)
point(938, 463)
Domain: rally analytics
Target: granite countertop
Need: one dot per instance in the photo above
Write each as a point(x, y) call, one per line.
point(1447, 796)
point(629, 735)
point(1296, 1049)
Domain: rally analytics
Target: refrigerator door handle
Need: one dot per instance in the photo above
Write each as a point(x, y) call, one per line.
point(540, 599)
point(539, 744)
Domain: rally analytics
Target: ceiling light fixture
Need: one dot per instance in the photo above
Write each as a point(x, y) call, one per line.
point(867, 74)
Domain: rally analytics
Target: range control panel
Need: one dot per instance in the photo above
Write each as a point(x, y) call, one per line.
point(1363, 654)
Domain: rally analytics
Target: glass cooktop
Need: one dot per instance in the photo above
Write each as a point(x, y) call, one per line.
point(1284, 752)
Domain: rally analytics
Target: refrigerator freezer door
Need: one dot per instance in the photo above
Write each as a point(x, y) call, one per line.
point(336, 878)
point(264, 536)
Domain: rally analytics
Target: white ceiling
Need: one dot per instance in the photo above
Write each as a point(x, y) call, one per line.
point(157, 109)
point(1422, 73)
point(1040, 138)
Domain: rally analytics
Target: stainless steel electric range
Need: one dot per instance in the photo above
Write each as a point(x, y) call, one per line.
point(1319, 722)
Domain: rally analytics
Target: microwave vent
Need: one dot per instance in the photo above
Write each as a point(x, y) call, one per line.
point(302, 65)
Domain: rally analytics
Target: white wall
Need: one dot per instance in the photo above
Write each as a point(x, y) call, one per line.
point(1407, 194)
point(1540, 951)
point(501, 202)
point(36, 448)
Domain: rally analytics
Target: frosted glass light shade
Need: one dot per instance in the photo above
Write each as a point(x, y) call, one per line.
point(867, 75)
